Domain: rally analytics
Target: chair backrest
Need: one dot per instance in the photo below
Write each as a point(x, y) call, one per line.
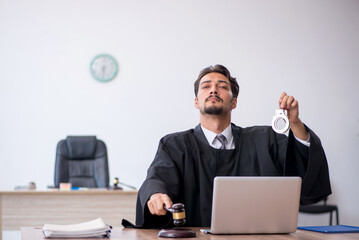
point(82, 161)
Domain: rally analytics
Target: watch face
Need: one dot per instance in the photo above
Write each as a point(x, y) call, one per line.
point(104, 67)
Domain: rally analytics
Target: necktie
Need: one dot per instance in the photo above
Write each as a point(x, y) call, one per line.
point(222, 139)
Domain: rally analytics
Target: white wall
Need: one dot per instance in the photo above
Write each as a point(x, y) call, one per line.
point(307, 48)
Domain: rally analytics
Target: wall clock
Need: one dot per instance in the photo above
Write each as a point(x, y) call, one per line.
point(104, 67)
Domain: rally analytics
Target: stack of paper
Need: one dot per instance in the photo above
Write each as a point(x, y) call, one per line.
point(95, 228)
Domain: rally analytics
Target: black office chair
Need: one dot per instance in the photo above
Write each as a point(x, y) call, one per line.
point(82, 161)
point(319, 209)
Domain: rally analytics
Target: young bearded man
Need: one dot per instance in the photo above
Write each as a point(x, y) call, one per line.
point(187, 162)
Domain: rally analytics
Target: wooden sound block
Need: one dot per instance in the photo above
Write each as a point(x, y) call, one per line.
point(177, 233)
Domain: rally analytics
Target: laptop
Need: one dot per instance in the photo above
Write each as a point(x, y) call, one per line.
point(255, 205)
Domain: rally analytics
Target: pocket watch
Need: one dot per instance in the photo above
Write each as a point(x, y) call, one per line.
point(104, 67)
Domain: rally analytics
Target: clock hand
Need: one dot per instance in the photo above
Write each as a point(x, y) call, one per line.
point(103, 71)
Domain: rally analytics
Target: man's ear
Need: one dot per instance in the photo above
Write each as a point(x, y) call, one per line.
point(234, 103)
point(196, 103)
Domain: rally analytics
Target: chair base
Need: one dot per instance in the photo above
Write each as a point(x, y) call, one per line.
point(321, 209)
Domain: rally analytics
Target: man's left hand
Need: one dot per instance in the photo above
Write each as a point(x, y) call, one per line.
point(288, 103)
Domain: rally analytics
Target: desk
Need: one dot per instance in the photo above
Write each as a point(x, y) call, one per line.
point(35, 208)
point(118, 233)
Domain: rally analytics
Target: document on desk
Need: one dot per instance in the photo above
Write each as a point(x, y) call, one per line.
point(94, 228)
point(331, 229)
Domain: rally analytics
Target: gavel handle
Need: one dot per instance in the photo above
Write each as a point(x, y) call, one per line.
point(168, 209)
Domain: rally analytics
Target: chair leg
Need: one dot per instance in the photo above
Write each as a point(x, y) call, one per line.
point(330, 218)
point(337, 214)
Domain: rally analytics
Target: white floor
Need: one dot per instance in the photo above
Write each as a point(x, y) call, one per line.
point(11, 235)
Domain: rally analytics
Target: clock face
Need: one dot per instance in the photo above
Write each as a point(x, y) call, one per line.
point(104, 68)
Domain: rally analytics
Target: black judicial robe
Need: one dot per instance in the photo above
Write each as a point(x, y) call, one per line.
point(185, 166)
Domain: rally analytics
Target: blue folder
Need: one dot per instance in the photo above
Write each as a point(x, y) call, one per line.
point(331, 229)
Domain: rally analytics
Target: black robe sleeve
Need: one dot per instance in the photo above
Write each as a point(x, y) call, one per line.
point(162, 173)
point(310, 164)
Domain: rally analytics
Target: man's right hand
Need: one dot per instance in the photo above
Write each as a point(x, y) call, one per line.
point(156, 202)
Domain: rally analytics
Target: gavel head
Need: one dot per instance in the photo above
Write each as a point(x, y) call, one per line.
point(178, 214)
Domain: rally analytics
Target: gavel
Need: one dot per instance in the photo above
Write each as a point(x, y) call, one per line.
point(178, 214)
point(179, 219)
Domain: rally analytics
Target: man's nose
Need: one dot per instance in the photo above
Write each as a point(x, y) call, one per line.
point(213, 90)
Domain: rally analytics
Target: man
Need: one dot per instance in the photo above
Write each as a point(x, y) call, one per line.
point(187, 162)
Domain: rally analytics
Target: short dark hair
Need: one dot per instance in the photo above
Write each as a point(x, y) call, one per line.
point(218, 69)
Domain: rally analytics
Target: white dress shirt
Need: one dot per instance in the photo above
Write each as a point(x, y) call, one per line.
point(214, 142)
point(229, 143)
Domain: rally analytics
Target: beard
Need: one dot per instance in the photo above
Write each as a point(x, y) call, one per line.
point(213, 110)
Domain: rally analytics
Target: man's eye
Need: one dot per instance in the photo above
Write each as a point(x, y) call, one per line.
point(224, 87)
point(205, 86)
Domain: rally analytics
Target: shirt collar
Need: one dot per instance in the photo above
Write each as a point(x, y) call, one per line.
point(210, 136)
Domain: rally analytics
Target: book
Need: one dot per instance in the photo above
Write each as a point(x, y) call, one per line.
point(332, 229)
point(94, 228)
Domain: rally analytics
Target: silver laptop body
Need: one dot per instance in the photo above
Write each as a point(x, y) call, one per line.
point(255, 205)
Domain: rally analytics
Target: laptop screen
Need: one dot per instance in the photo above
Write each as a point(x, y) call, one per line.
point(255, 205)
